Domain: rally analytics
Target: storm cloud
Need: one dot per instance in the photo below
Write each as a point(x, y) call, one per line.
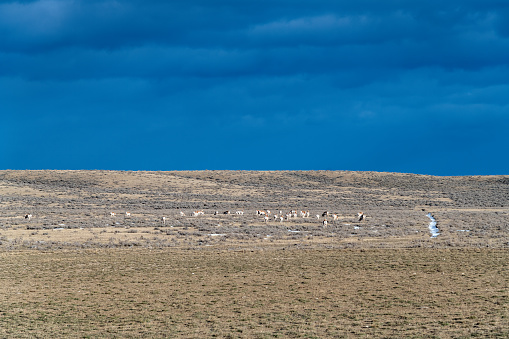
point(386, 86)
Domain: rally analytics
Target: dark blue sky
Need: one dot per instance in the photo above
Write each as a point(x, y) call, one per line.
point(400, 86)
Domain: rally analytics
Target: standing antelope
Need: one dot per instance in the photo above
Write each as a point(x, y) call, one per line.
point(128, 214)
point(324, 223)
point(163, 219)
point(28, 216)
point(361, 216)
point(113, 214)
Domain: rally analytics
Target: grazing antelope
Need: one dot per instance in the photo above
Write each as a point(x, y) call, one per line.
point(258, 212)
point(361, 216)
point(28, 216)
point(304, 214)
point(324, 214)
point(197, 213)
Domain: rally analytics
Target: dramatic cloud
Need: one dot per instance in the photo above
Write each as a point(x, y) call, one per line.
point(367, 85)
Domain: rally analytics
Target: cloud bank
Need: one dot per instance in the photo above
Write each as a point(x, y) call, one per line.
point(368, 85)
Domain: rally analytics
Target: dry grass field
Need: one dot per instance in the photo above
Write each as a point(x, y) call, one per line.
point(73, 270)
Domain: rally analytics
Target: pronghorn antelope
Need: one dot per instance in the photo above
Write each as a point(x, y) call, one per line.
point(197, 213)
point(128, 214)
point(334, 217)
point(226, 212)
point(28, 216)
point(266, 218)
point(113, 214)
point(216, 213)
point(182, 214)
point(318, 217)
point(281, 219)
point(324, 214)
point(163, 219)
point(258, 212)
point(324, 223)
point(361, 216)
point(239, 212)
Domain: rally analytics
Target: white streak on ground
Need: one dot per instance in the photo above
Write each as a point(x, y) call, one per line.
point(433, 226)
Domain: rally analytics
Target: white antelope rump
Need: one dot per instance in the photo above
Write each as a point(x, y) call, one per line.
point(182, 214)
point(163, 220)
point(28, 216)
point(334, 217)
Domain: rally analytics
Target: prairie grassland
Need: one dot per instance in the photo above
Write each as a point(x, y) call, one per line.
point(73, 270)
point(268, 293)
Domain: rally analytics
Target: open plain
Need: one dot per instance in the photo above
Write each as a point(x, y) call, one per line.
point(75, 270)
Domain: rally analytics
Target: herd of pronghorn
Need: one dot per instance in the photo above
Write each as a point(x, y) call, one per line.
point(266, 214)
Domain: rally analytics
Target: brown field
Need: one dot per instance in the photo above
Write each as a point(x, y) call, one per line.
point(75, 271)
